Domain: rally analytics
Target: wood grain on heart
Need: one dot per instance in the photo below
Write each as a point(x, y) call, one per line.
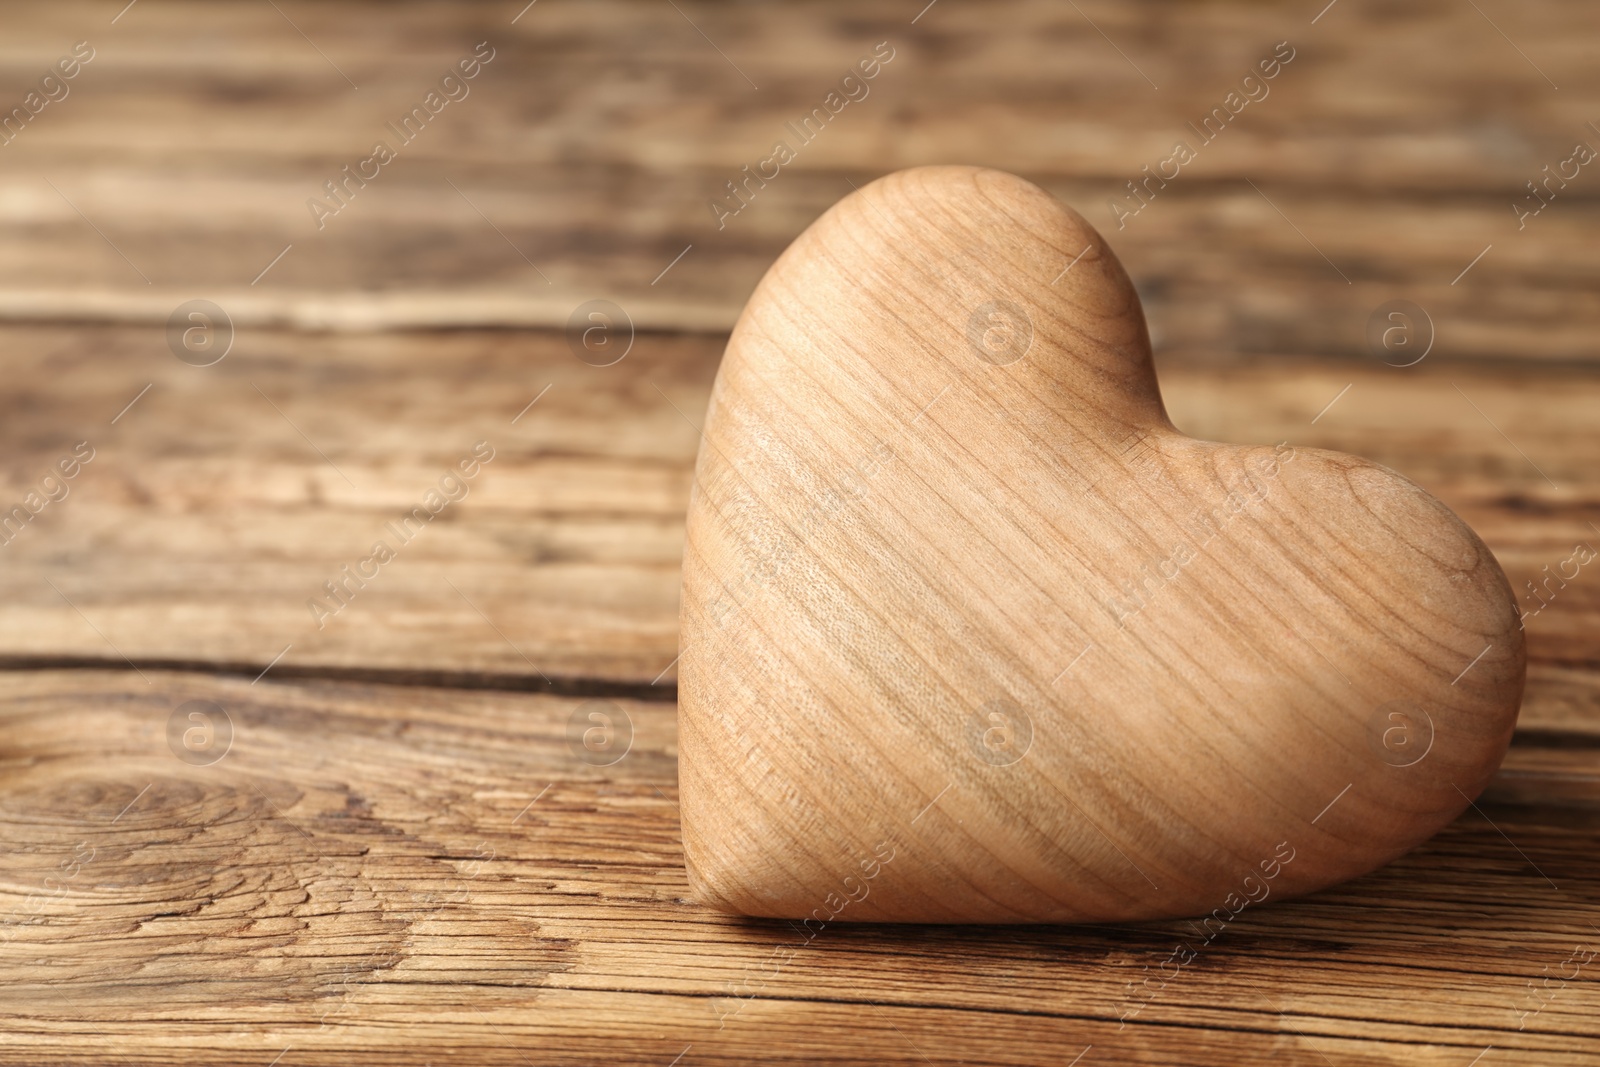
point(970, 632)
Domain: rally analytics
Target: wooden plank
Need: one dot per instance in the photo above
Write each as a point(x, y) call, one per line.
point(217, 507)
point(381, 874)
point(999, 77)
point(207, 521)
point(584, 159)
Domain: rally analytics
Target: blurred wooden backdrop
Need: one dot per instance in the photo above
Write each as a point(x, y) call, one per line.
point(403, 855)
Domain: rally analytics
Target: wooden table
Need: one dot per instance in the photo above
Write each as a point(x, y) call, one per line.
point(393, 845)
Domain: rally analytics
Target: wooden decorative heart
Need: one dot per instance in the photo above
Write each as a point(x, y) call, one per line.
point(971, 633)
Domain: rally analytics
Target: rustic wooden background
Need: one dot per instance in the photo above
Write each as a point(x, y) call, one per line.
point(404, 853)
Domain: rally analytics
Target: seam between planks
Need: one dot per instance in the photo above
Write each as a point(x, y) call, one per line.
point(665, 691)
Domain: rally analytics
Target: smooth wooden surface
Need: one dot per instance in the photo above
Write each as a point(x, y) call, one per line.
point(944, 542)
point(207, 928)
